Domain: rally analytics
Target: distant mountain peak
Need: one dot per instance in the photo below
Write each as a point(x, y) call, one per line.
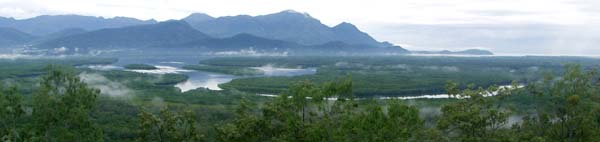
point(345, 26)
point(198, 17)
point(290, 11)
point(130, 19)
point(203, 15)
point(286, 25)
point(293, 12)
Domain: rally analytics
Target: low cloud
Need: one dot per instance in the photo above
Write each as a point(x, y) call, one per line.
point(106, 86)
point(401, 66)
point(250, 52)
point(443, 68)
point(514, 120)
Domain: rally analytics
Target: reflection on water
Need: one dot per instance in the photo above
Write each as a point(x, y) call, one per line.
point(269, 70)
point(196, 79)
point(103, 67)
point(162, 70)
point(200, 79)
point(204, 80)
point(171, 61)
point(434, 96)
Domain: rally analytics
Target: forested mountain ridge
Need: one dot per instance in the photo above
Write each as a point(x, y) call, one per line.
point(164, 33)
point(179, 34)
point(286, 25)
point(286, 31)
point(47, 24)
point(11, 36)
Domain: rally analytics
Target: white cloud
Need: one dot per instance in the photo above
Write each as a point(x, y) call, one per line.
point(106, 86)
point(503, 39)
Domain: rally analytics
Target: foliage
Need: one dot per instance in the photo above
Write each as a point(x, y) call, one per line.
point(473, 118)
point(570, 112)
point(62, 107)
point(169, 127)
point(399, 75)
point(140, 67)
point(11, 112)
point(305, 114)
point(20, 68)
point(171, 79)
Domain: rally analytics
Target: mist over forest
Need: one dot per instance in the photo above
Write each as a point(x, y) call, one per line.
point(487, 71)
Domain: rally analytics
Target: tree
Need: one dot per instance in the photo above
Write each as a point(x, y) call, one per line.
point(301, 114)
point(568, 108)
point(245, 127)
point(169, 127)
point(323, 113)
point(473, 117)
point(62, 107)
point(11, 111)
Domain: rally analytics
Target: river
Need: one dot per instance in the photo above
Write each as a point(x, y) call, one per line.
point(196, 79)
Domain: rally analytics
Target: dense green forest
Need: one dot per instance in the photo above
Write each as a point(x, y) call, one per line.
point(140, 67)
point(64, 108)
point(397, 75)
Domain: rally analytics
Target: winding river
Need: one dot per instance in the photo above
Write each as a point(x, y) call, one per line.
point(198, 79)
point(210, 80)
point(171, 62)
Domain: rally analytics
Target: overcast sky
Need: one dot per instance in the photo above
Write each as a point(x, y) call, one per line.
point(504, 26)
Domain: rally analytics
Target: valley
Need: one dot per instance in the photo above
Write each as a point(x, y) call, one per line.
point(287, 76)
point(216, 93)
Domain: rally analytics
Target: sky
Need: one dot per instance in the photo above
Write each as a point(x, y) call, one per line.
point(565, 27)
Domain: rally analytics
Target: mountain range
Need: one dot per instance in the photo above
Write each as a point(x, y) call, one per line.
point(286, 25)
point(164, 33)
point(179, 34)
point(11, 36)
point(288, 31)
point(47, 24)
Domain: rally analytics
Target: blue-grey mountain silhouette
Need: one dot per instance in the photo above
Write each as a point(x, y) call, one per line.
point(47, 24)
point(286, 25)
point(11, 36)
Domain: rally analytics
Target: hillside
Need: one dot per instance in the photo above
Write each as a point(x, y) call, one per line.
point(47, 24)
point(164, 33)
point(10, 36)
point(287, 25)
